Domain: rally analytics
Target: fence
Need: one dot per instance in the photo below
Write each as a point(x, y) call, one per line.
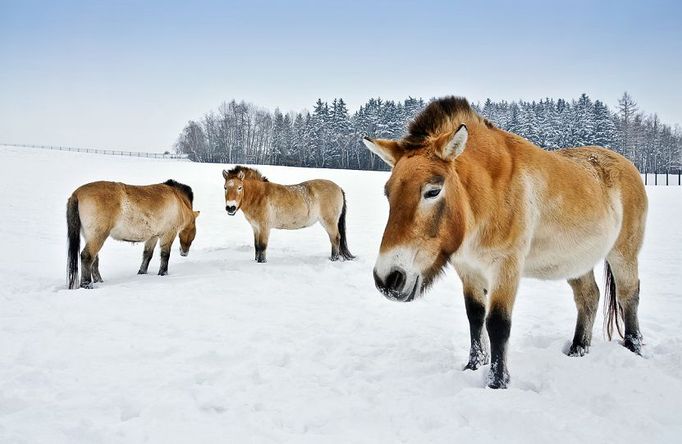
point(98, 151)
point(674, 178)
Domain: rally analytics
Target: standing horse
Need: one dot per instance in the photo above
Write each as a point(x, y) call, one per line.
point(268, 205)
point(498, 208)
point(129, 213)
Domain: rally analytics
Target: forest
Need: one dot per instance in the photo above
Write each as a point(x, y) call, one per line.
point(330, 135)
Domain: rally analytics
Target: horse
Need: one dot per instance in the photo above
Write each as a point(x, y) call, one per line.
point(267, 205)
point(130, 213)
point(499, 208)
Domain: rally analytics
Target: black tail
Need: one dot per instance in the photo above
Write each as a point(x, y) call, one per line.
point(343, 244)
point(73, 223)
point(613, 312)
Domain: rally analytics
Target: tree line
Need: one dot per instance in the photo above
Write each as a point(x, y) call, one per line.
point(330, 136)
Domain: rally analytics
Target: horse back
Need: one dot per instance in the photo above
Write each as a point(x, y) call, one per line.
point(128, 212)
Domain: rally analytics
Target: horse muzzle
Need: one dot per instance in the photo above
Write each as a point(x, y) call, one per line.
point(184, 253)
point(231, 210)
point(395, 285)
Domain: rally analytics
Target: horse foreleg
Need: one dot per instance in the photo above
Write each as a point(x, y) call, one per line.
point(96, 277)
point(586, 296)
point(260, 241)
point(498, 321)
point(166, 244)
point(147, 254)
point(474, 301)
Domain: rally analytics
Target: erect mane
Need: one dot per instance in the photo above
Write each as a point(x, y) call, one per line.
point(249, 173)
point(441, 115)
point(184, 189)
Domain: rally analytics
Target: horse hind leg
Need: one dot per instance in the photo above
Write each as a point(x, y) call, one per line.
point(96, 277)
point(88, 258)
point(586, 296)
point(625, 274)
point(334, 238)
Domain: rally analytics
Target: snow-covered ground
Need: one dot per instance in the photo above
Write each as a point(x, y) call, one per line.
point(299, 349)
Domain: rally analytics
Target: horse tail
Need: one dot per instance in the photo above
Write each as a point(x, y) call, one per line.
point(613, 312)
point(343, 244)
point(73, 223)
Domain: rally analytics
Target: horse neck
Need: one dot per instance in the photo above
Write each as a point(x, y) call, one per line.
point(255, 193)
point(185, 209)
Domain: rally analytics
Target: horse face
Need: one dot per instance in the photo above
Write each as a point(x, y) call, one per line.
point(188, 234)
point(424, 225)
point(234, 191)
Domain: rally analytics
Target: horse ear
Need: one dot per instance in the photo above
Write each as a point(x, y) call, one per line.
point(389, 151)
point(241, 175)
point(225, 174)
point(196, 214)
point(455, 144)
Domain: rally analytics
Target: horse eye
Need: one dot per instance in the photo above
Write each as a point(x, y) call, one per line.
point(240, 188)
point(432, 193)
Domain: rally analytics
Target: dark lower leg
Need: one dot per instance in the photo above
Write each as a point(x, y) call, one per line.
point(260, 244)
point(586, 296)
point(147, 256)
point(498, 325)
point(335, 241)
point(86, 272)
point(165, 255)
point(478, 355)
point(96, 277)
point(633, 337)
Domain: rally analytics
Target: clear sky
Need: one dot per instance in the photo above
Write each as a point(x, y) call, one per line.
point(130, 74)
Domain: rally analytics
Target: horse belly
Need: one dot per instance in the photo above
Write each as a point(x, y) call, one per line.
point(569, 254)
point(136, 225)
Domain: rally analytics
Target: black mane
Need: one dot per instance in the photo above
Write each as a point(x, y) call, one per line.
point(250, 173)
point(184, 189)
point(437, 117)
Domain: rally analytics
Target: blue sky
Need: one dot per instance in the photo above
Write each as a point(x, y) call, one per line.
point(130, 74)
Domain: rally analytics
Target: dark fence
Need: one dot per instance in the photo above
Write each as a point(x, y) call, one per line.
point(672, 178)
point(99, 151)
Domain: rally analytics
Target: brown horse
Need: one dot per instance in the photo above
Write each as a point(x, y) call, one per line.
point(498, 208)
point(128, 213)
point(268, 205)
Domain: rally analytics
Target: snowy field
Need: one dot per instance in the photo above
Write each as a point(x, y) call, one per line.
point(299, 349)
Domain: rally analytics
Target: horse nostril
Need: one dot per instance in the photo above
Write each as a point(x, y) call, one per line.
point(396, 280)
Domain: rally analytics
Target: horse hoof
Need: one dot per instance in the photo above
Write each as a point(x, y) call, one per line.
point(498, 383)
point(475, 362)
point(633, 343)
point(163, 273)
point(87, 285)
point(578, 350)
point(142, 272)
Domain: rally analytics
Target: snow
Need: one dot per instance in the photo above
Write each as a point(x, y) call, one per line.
point(299, 349)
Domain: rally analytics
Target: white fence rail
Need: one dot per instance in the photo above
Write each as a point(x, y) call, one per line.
point(99, 151)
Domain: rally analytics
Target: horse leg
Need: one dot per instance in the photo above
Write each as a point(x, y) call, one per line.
point(586, 296)
point(474, 301)
point(88, 256)
point(96, 277)
point(166, 243)
point(260, 242)
point(147, 254)
point(498, 321)
point(626, 276)
point(334, 238)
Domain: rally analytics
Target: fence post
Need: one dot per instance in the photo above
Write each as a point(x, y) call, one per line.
point(655, 178)
point(646, 178)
